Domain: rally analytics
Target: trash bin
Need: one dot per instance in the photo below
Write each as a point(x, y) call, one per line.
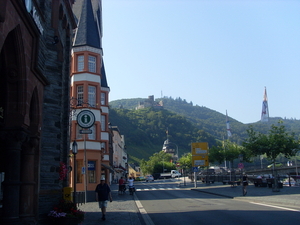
point(68, 194)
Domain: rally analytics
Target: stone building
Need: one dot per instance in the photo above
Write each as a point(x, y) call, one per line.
point(35, 45)
point(150, 103)
point(119, 154)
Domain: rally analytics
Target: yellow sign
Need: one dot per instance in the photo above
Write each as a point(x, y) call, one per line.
point(200, 157)
point(68, 193)
point(200, 154)
point(197, 163)
point(199, 148)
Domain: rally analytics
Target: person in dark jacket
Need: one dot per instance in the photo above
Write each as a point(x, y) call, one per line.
point(103, 193)
point(245, 184)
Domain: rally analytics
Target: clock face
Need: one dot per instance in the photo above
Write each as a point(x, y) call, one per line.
point(28, 4)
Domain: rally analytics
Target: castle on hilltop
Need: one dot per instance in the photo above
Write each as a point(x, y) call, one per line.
point(150, 103)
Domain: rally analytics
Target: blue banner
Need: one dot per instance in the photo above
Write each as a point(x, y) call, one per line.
point(91, 165)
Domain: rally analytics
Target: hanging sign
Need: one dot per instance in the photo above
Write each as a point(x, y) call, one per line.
point(86, 119)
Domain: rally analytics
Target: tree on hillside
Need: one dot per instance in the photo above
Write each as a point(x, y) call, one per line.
point(276, 142)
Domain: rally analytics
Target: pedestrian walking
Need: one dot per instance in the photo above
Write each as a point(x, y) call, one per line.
point(245, 184)
point(103, 193)
point(122, 187)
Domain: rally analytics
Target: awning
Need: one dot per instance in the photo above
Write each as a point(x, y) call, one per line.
point(107, 167)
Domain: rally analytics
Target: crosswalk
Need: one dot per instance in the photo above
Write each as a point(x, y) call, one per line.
point(154, 189)
point(157, 188)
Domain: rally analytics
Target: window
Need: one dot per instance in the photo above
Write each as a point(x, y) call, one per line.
point(92, 96)
point(92, 64)
point(103, 98)
point(103, 122)
point(80, 95)
point(92, 136)
point(79, 175)
point(103, 147)
point(92, 171)
point(80, 63)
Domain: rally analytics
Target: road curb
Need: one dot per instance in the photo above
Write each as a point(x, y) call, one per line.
point(208, 192)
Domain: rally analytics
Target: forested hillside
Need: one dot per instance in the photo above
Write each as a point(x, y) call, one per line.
point(145, 129)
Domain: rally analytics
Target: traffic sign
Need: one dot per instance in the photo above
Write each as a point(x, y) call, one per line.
point(200, 163)
point(195, 169)
point(199, 148)
point(241, 165)
point(85, 131)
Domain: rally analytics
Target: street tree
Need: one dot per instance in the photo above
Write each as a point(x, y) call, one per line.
point(276, 142)
point(157, 163)
point(228, 151)
point(185, 161)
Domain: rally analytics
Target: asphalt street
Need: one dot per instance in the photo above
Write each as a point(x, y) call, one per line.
point(127, 210)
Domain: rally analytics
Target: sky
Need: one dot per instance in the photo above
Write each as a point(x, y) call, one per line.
point(220, 54)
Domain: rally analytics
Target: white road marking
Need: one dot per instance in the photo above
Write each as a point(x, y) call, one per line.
point(143, 211)
point(277, 207)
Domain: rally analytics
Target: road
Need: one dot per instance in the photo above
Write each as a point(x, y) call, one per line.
point(168, 203)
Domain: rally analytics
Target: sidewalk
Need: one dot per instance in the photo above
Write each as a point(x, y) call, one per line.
point(122, 210)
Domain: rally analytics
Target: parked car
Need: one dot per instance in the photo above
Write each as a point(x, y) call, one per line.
point(277, 164)
point(140, 178)
point(149, 178)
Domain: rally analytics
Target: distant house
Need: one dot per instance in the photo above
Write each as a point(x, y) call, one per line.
point(150, 103)
point(119, 154)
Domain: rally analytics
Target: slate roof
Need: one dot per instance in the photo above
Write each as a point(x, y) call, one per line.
point(103, 76)
point(88, 32)
point(88, 15)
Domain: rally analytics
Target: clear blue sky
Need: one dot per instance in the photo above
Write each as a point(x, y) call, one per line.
point(215, 53)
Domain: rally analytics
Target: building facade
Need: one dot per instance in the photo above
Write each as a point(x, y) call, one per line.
point(119, 154)
point(35, 45)
point(89, 91)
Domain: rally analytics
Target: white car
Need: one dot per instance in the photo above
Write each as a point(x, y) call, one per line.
point(149, 178)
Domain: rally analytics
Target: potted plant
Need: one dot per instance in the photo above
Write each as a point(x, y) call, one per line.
point(66, 213)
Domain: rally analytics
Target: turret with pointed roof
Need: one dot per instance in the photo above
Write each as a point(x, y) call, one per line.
point(89, 86)
point(87, 32)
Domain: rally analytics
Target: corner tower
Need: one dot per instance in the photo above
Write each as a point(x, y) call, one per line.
point(89, 91)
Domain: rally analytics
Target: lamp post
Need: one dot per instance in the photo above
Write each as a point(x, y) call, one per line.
point(75, 151)
point(241, 166)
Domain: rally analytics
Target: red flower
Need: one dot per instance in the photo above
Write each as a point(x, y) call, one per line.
point(62, 171)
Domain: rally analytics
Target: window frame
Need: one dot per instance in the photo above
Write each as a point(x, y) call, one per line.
point(92, 98)
point(92, 64)
point(81, 93)
point(80, 63)
point(103, 98)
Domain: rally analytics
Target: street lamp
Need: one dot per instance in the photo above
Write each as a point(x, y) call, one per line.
point(241, 166)
point(75, 151)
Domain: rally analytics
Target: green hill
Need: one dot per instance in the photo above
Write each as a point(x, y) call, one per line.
point(145, 129)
